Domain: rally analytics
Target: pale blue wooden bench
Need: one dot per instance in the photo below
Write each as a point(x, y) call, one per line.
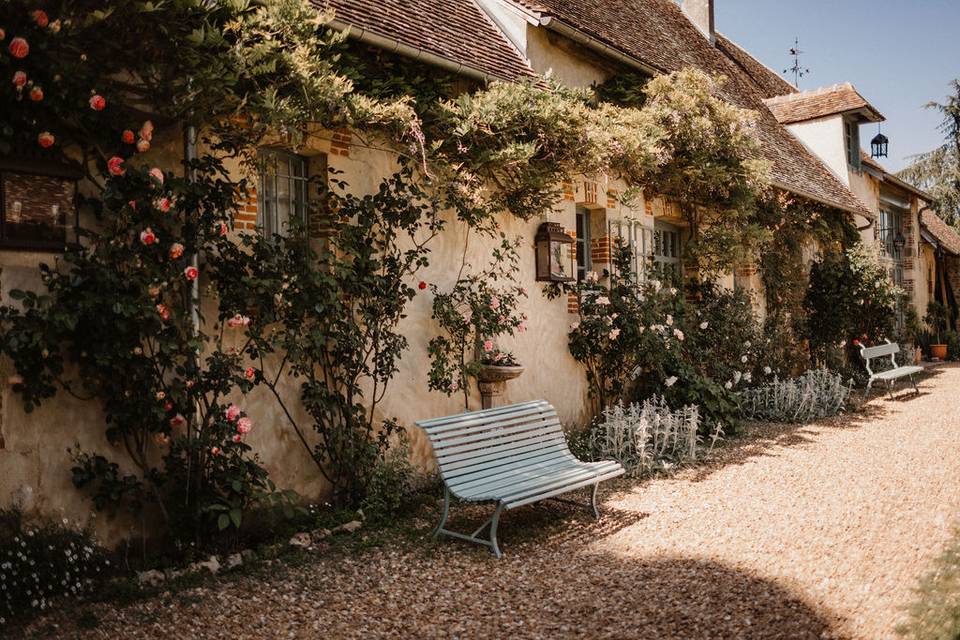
point(890, 375)
point(513, 456)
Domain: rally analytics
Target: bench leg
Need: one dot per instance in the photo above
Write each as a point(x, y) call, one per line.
point(866, 394)
point(446, 512)
point(492, 523)
point(890, 388)
point(592, 505)
point(914, 383)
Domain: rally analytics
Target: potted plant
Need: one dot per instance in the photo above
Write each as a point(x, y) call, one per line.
point(936, 318)
point(498, 366)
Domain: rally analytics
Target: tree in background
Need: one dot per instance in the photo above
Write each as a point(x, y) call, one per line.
point(938, 171)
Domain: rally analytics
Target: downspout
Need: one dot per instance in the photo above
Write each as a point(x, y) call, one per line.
point(392, 45)
point(193, 302)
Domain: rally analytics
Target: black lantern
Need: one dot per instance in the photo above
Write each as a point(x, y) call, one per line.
point(878, 146)
point(554, 257)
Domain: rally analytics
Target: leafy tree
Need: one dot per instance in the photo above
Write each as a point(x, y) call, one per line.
point(938, 171)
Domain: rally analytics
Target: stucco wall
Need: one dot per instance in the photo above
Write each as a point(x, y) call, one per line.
point(824, 137)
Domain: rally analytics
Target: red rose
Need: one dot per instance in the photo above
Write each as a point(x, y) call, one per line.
point(856, 343)
point(127, 136)
point(40, 17)
point(250, 373)
point(19, 48)
point(19, 79)
point(97, 102)
point(46, 139)
point(191, 273)
point(422, 285)
point(115, 166)
point(148, 237)
point(36, 94)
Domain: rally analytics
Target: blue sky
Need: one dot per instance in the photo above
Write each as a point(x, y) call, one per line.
point(899, 54)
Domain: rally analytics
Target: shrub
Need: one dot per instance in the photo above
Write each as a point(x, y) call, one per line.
point(649, 436)
point(391, 483)
point(850, 297)
point(816, 394)
point(40, 562)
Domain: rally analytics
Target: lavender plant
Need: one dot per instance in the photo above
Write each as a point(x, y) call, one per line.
point(649, 436)
point(818, 393)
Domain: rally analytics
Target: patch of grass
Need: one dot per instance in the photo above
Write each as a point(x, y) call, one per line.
point(935, 615)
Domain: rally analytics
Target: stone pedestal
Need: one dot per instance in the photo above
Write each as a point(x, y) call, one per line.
point(492, 381)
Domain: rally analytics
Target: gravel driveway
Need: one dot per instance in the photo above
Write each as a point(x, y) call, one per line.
point(797, 532)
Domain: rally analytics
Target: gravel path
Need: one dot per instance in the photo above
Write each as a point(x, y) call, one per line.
point(819, 531)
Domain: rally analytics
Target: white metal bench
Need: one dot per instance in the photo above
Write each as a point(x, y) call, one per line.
point(890, 375)
point(513, 455)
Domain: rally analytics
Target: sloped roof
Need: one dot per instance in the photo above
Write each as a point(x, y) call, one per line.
point(941, 231)
point(822, 102)
point(886, 176)
point(457, 30)
point(766, 79)
point(658, 34)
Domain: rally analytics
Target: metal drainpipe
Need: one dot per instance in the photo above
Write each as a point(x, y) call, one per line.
point(190, 154)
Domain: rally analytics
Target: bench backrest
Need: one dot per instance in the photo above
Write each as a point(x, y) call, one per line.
point(889, 349)
point(477, 444)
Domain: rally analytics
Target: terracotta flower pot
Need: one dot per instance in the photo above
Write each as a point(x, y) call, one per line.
point(938, 351)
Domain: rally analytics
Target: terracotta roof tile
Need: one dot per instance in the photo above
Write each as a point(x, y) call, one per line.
point(657, 33)
point(454, 29)
point(944, 233)
point(766, 79)
point(818, 103)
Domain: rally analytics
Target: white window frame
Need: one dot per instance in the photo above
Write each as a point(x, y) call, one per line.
point(279, 166)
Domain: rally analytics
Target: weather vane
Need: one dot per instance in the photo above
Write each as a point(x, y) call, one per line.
point(798, 70)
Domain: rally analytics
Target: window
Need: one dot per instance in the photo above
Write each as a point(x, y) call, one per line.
point(851, 132)
point(35, 210)
point(666, 252)
point(584, 261)
point(283, 191)
point(888, 228)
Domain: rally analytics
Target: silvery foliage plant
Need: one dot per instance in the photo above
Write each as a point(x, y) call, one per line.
point(818, 393)
point(649, 436)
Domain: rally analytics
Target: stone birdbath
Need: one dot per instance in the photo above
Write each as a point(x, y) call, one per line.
point(492, 378)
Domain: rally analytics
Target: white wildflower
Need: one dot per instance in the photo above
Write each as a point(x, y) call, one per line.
point(744, 359)
point(704, 325)
point(603, 300)
point(728, 385)
point(614, 333)
point(678, 334)
point(767, 370)
point(669, 382)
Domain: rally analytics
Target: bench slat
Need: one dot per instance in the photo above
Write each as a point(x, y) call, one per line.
point(511, 490)
point(556, 492)
point(510, 472)
point(485, 415)
point(881, 350)
point(494, 451)
point(537, 448)
point(498, 436)
point(491, 467)
point(492, 426)
point(522, 482)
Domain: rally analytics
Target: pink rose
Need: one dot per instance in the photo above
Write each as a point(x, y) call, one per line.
point(244, 425)
point(146, 131)
point(163, 311)
point(143, 146)
point(19, 48)
point(176, 250)
point(46, 139)
point(97, 102)
point(215, 451)
point(19, 79)
point(115, 166)
point(148, 237)
point(488, 346)
point(494, 303)
point(127, 136)
point(163, 204)
point(36, 94)
point(232, 413)
point(177, 421)
point(132, 204)
point(191, 273)
point(238, 321)
point(249, 373)
point(454, 385)
point(157, 174)
point(522, 327)
point(237, 438)
point(40, 17)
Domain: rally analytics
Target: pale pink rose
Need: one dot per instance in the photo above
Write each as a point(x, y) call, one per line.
point(488, 346)
point(614, 334)
point(115, 166)
point(237, 438)
point(191, 273)
point(148, 237)
point(176, 250)
point(146, 131)
point(19, 79)
point(238, 321)
point(164, 312)
point(454, 385)
point(142, 145)
point(157, 174)
point(215, 451)
point(244, 425)
point(522, 327)
point(232, 413)
point(494, 303)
